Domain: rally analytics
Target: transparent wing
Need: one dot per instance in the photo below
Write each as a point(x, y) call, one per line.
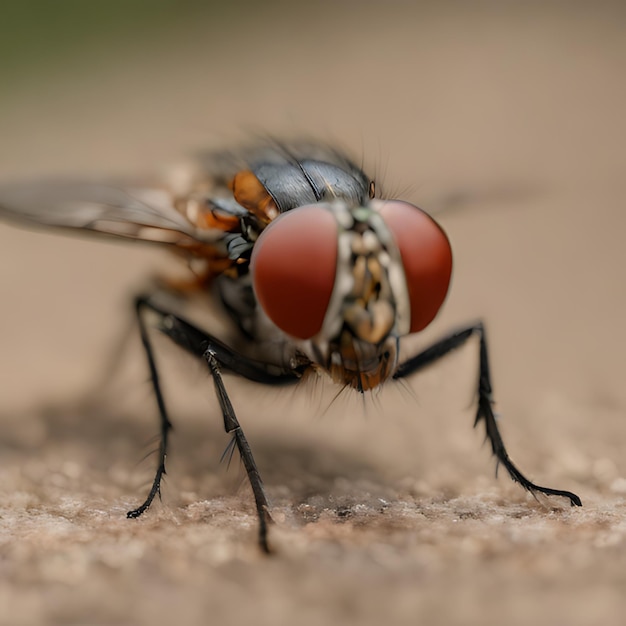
point(145, 214)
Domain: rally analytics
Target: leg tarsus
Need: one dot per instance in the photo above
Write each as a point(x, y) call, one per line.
point(155, 490)
point(485, 412)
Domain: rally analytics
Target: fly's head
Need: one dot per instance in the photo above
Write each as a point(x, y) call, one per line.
point(347, 282)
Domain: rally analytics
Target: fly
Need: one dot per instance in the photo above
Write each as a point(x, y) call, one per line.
point(316, 272)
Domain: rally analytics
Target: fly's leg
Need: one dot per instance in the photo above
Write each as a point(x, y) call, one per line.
point(232, 426)
point(164, 421)
point(218, 356)
point(485, 401)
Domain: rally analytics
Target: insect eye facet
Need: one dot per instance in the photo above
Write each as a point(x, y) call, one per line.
point(426, 257)
point(293, 268)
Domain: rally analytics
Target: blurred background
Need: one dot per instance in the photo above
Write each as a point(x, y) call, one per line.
point(505, 119)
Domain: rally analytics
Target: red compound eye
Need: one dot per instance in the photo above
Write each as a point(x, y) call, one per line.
point(426, 257)
point(293, 269)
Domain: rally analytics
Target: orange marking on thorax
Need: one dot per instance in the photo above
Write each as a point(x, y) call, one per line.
point(250, 194)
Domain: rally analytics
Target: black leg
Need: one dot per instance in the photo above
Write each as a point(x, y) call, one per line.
point(231, 425)
point(165, 424)
point(217, 355)
point(485, 401)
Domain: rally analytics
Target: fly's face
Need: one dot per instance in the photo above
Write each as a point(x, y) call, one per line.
point(348, 281)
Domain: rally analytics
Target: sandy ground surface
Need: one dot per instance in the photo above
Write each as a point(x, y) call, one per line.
point(387, 510)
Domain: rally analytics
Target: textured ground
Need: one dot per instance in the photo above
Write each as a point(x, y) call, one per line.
point(387, 511)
